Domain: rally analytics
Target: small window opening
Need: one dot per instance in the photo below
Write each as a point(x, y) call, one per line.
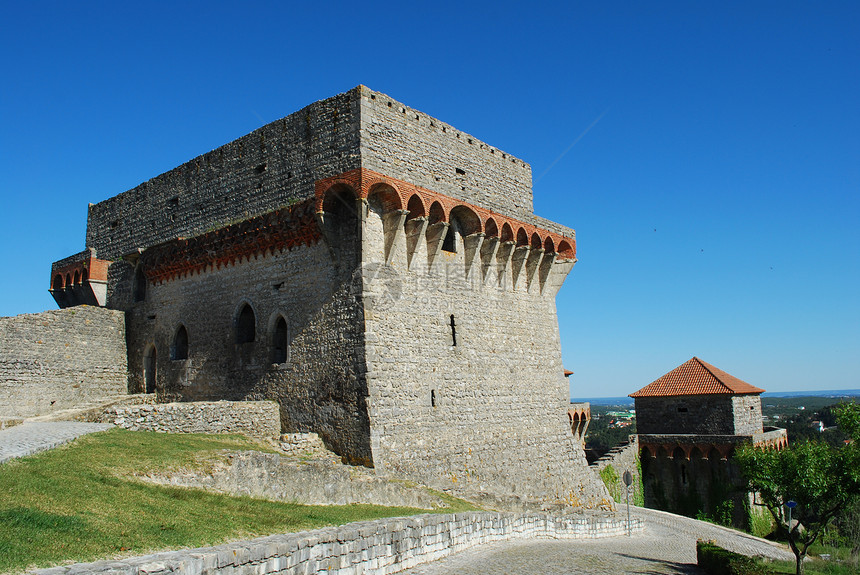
point(684, 474)
point(139, 284)
point(149, 364)
point(179, 349)
point(174, 201)
point(448, 244)
point(432, 398)
point(682, 410)
point(453, 331)
point(246, 325)
point(460, 171)
point(260, 169)
point(279, 342)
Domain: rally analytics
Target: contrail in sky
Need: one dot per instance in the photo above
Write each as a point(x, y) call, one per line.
point(578, 138)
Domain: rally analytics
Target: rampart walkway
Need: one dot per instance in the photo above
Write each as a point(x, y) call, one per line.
point(32, 437)
point(668, 546)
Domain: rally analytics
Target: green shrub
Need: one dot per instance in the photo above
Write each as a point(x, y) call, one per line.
point(715, 560)
point(761, 524)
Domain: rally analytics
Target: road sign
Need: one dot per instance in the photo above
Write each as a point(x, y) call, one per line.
point(628, 478)
point(791, 504)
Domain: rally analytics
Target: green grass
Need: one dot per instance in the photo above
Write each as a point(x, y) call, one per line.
point(840, 562)
point(79, 503)
point(716, 560)
point(815, 567)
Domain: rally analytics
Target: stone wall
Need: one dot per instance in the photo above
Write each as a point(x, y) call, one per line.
point(259, 419)
point(319, 384)
point(747, 414)
point(480, 406)
point(696, 485)
point(307, 479)
point(372, 547)
point(621, 458)
point(61, 359)
point(697, 414)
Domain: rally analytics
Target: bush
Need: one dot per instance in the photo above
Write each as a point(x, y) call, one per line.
point(715, 560)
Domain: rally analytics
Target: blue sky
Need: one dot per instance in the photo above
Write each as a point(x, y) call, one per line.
point(715, 195)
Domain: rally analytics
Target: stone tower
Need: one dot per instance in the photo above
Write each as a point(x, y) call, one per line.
point(689, 422)
point(377, 272)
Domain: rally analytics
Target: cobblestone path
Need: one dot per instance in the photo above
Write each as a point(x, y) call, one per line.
point(32, 437)
point(668, 546)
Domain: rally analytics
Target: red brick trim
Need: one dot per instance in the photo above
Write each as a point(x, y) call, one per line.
point(275, 231)
point(79, 272)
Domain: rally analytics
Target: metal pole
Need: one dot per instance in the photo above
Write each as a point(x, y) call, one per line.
point(628, 481)
point(629, 527)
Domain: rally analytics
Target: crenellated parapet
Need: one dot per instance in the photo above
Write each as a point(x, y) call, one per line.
point(80, 279)
point(579, 416)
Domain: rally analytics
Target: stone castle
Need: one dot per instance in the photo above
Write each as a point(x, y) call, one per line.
point(378, 273)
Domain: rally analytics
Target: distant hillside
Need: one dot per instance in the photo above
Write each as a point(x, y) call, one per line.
point(834, 394)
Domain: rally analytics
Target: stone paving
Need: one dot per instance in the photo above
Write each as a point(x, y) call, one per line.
point(32, 437)
point(668, 546)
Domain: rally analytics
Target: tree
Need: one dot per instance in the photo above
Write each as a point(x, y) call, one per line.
point(822, 479)
point(849, 527)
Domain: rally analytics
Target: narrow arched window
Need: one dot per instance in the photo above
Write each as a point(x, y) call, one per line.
point(280, 351)
point(449, 244)
point(246, 325)
point(149, 365)
point(77, 279)
point(179, 349)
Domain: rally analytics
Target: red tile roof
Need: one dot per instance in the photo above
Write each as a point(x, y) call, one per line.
point(696, 377)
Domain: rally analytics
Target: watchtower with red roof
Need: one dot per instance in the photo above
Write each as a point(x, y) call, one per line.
point(698, 398)
point(689, 422)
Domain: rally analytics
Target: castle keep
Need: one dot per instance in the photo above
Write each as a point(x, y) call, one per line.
point(378, 273)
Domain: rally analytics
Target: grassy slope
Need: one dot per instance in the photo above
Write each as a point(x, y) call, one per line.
point(74, 503)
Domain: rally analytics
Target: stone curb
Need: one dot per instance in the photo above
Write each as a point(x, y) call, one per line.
point(370, 547)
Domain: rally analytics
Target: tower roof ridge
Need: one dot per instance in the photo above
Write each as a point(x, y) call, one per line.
point(696, 377)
